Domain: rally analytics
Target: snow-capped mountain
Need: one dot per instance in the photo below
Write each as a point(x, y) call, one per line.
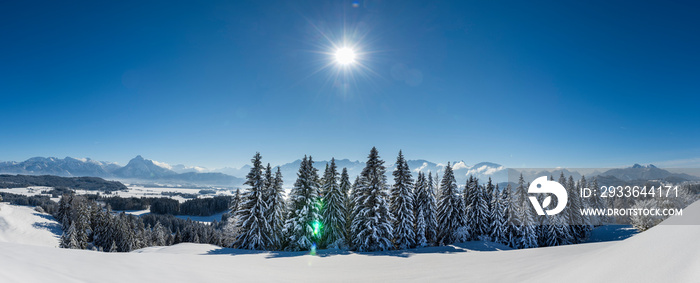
point(138, 169)
point(66, 167)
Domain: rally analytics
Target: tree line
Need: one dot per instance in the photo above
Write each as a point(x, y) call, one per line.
point(163, 205)
point(330, 211)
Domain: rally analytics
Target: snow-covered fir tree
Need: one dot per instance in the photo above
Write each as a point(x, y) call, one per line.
point(421, 241)
point(353, 209)
point(487, 193)
point(525, 218)
point(235, 202)
point(69, 239)
point(277, 210)
point(160, 235)
point(402, 205)
point(476, 208)
point(451, 211)
point(429, 206)
point(426, 205)
point(252, 214)
point(100, 237)
point(303, 224)
point(346, 189)
point(596, 202)
point(372, 223)
point(333, 210)
point(499, 228)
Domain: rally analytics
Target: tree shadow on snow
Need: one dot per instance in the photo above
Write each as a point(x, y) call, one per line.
point(45, 216)
point(52, 227)
point(478, 246)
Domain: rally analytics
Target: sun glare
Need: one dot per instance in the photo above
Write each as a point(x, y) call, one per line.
point(345, 56)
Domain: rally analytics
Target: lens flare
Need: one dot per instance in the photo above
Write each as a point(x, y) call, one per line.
point(316, 225)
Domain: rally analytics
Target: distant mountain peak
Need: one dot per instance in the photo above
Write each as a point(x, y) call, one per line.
point(637, 166)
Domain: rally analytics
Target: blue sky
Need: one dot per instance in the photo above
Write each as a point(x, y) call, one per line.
point(209, 83)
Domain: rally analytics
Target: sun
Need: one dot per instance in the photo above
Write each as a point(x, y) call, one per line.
point(345, 56)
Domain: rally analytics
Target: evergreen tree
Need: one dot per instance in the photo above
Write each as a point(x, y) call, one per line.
point(421, 241)
point(125, 236)
point(402, 205)
point(372, 224)
point(596, 203)
point(429, 207)
point(498, 218)
point(276, 211)
point(476, 208)
point(451, 211)
point(425, 204)
point(333, 210)
point(303, 224)
point(69, 238)
point(100, 236)
point(235, 202)
point(82, 221)
point(354, 210)
point(253, 223)
point(528, 236)
point(159, 234)
point(345, 189)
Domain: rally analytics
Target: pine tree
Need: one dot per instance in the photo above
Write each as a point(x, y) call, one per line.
point(477, 208)
point(159, 234)
point(372, 224)
point(596, 203)
point(82, 221)
point(253, 223)
point(333, 210)
point(303, 225)
point(498, 218)
point(486, 206)
point(125, 237)
point(429, 208)
point(418, 194)
point(402, 205)
point(421, 241)
point(451, 211)
point(525, 218)
point(425, 204)
point(345, 189)
point(69, 238)
point(235, 202)
point(354, 209)
point(276, 211)
point(100, 237)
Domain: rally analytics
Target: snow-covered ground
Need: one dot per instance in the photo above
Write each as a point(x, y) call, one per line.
point(23, 225)
point(30, 191)
point(134, 191)
point(665, 253)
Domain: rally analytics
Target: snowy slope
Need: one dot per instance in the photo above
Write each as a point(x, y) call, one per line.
point(666, 253)
point(23, 225)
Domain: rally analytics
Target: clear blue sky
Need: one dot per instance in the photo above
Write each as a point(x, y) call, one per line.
point(209, 83)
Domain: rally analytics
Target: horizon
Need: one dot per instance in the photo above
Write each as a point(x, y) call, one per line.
point(209, 84)
point(388, 163)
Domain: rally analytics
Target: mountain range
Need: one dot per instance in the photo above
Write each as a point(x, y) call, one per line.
point(140, 169)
